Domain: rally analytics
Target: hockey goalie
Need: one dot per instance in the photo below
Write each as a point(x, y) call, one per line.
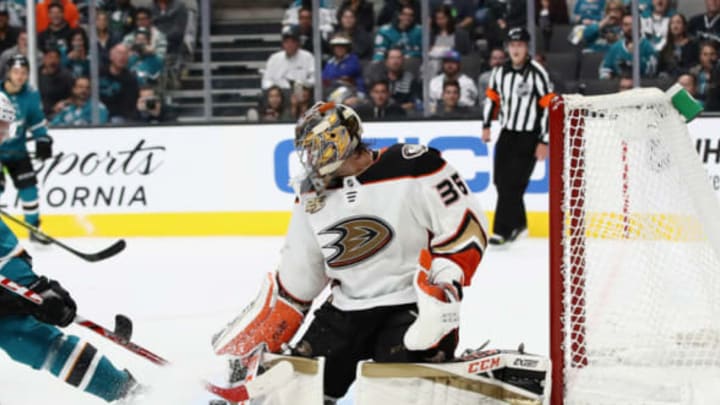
point(396, 235)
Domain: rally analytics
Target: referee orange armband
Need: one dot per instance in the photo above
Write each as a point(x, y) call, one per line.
point(493, 95)
point(545, 100)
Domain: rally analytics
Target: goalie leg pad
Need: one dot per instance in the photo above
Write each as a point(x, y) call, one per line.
point(490, 376)
point(270, 319)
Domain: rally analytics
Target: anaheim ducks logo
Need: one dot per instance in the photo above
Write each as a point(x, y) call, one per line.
point(358, 239)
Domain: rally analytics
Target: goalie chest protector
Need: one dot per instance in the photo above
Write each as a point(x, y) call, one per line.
point(364, 233)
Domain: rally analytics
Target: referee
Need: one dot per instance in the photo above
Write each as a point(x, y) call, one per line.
point(520, 92)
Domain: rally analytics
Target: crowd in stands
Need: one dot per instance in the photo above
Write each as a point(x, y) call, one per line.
point(370, 53)
point(142, 44)
point(373, 61)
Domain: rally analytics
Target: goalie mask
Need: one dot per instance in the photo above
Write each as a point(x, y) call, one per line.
point(325, 136)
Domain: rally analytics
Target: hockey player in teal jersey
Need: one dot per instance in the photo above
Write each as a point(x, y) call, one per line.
point(14, 155)
point(29, 333)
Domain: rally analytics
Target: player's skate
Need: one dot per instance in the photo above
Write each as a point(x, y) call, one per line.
point(518, 233)
point(132, 393)
point(499, 240)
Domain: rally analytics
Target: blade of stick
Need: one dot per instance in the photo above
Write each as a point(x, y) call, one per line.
point(281, 374)
point(108, 334)
point(237, 394)
point(108, 252)
point(123, 327)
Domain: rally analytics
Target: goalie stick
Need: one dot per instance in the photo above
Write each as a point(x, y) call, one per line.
point(108, 252)
point(244, 392)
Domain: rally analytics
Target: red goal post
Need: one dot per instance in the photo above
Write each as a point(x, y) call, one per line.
point(634, 249)
point(556, 215)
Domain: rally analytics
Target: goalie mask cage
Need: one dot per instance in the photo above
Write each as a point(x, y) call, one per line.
point(634, 255)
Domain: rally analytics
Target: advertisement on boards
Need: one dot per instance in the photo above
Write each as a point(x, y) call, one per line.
point(706, 135)
point(235, 179)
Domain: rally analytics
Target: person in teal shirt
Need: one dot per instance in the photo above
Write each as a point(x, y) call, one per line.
point(587, 12)
point(76, 60)
point(30, 333)
point(147, 66)
point(402, 33)
point(78, 109)
point(600, 36)
point(619, 57)
point(14, 157)
point(645, 7)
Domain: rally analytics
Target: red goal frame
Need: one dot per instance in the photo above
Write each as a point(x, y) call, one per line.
point(570, 235)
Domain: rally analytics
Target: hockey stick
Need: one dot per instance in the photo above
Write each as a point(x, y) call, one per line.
point(277, 376)
point(240, 393)
point(108, 252)
point(123, 324)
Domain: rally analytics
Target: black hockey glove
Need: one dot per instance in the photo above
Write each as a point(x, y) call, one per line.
point(13, 304)
point(43, 147)
point(58, 308)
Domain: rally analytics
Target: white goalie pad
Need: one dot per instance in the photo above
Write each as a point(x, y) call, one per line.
point(306, 386)
point(491, 377)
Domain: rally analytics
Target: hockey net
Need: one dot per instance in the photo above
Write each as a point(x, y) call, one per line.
point(635, 255)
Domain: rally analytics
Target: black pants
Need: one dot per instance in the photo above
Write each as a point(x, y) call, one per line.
point(21, 172)
point(513, 165)
point(346, 337)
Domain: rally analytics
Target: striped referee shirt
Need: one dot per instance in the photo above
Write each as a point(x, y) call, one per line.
point(521, 98)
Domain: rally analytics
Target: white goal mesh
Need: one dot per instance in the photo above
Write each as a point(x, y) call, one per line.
point(635, 250)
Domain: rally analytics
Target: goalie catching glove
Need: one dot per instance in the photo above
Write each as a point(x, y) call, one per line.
point(272, 318)
point(439, 292)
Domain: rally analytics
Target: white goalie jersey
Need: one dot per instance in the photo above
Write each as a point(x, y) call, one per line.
point(364, 233)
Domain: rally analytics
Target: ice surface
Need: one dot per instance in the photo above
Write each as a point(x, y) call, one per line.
point(179, 291)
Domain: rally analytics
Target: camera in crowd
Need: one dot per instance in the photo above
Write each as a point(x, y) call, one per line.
point(151, 102)
point(142, 40)
point(138, 48)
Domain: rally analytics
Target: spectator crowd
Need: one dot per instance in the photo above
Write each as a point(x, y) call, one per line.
point(372, 59)
point(142, 45)
point(371, 53)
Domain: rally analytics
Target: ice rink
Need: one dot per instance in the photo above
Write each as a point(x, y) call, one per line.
point(179, 291)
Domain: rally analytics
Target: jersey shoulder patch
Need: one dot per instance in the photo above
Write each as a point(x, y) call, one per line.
point(402, 161)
